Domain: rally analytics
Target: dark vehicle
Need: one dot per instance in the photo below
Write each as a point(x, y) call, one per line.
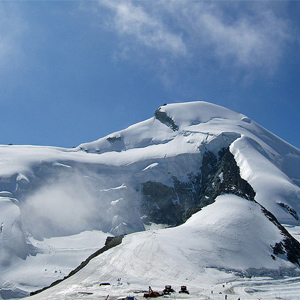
point(168, 290)
point(184, 290)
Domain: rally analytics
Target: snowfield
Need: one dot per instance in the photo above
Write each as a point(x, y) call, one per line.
point(57, 206)
point(207, 254)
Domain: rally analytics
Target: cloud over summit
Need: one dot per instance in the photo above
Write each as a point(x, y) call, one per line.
point(247, 35)
point(134, 20)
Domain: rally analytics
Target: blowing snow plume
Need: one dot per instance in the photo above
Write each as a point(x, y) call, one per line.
point(64, 207)
point(72, 202)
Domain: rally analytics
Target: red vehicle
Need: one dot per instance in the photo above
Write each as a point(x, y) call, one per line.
point(152, 293)
point(184, 290)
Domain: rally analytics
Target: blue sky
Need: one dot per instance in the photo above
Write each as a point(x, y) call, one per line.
point(74, 71)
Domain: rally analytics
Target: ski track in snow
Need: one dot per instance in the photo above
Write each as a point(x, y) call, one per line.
point(255, 288)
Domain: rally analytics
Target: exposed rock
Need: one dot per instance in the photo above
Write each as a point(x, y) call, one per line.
point(290, 210)
point(289, 246)
point(221, 175)
point(217, 176)
point(174, 205)
point(160, 204)
point(165, 119)
point(114, 139)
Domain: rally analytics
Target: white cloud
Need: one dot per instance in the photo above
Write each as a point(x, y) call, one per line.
point(133, 20)
point(249, 36)
point(247, 41)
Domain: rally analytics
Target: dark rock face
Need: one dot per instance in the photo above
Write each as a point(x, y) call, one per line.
point(165, 119)
point(289, 246)
point(222, 176)
point(114, 139)
point(174, 205)
point(290, 210)
point(217, 175)
point(160, 205)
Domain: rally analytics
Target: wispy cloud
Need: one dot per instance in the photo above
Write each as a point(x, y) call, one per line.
point(256, 41)
point(133, 20)
point(247, 36)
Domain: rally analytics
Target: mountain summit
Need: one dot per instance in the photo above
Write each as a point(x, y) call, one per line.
point(197, 188)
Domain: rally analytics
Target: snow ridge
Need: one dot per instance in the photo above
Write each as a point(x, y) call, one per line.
point(165, 171)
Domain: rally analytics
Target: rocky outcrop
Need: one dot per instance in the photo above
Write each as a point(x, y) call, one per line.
point(174, 205)
point(288, 246)
point(289, 209)
point(221, 175)
point(218, 174)
point(165, 119)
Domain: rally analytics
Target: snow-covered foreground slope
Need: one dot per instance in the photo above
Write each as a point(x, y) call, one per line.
point(56, 258)
point(216, 245)
point(156, 173)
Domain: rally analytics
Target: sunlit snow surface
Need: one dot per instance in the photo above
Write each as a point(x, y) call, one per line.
point(51, 198)
point(193, 254)
point(55, 259)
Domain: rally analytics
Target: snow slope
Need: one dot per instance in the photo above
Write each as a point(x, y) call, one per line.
point(219, 237)
point(53, 193)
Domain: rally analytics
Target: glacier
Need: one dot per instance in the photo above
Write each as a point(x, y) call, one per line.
point(147, 181)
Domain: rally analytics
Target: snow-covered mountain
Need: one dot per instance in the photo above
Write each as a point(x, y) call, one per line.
point(224, 185)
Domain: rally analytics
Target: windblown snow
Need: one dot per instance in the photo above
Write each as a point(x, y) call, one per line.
point(59, 205)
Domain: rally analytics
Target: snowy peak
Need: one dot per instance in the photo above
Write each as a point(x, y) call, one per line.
point(162, 127)
point(187, 160)
point(183, 115)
